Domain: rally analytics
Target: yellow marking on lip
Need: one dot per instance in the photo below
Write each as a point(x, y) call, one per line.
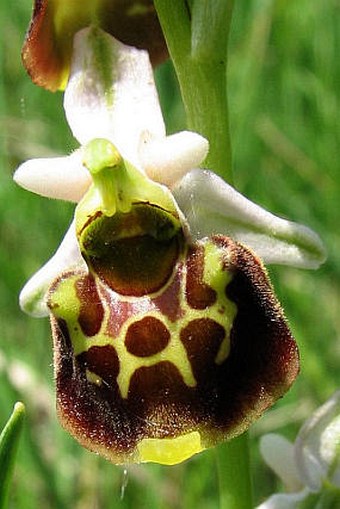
point(63, 301)
point(218, 279)
point(93, 378)
point(223, 351)
point(174, 352)
point(170, 451)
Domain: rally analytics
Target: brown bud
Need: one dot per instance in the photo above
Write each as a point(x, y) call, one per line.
point(48, 45)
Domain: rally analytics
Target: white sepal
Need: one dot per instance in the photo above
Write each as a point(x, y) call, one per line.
point(33, 296)
point(111, 93)
point(211, 206)
point(63, 178)
point(278, 453)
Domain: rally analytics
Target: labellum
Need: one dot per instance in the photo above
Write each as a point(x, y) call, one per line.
point(165, 345)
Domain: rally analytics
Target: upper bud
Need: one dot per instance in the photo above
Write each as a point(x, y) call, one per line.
point(47, 49)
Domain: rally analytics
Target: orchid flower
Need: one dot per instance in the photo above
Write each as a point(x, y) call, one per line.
point(168, 337)
point(309, 468)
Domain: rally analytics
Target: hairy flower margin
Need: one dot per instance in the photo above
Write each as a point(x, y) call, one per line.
point(112, 108)
point(310, 467)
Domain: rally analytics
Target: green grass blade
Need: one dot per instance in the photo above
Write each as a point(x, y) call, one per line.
point(9, 440)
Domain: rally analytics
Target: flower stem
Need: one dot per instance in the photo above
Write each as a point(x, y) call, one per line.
point(197, 33)
point(235, 487)
point(197, 36)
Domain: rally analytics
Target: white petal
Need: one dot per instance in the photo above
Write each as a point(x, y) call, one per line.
point(166, 160)
point(111, 93)
point(64, 178)
point(33, 296)
point(285, 501)
point(317, 446)
point(278, 453)
point(212, 206)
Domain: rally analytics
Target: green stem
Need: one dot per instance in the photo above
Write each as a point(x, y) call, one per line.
point(234, 474)
point(197, 33)
point(197, 38)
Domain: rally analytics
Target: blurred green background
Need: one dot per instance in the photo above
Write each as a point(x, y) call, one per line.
point(284, 83)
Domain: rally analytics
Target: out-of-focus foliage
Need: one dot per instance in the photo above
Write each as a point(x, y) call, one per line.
point(284, 94)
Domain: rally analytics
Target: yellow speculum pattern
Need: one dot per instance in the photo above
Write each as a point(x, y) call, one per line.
point(222, 312)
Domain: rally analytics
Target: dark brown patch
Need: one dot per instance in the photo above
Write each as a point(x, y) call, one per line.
point(162, 402)
point(103, 361)
point(199, 295)
point(202, 339)
point(136, 266)
point(133, 253)
point(147, 337)
point(60, 330)
point(155, 382)
point(91, 309)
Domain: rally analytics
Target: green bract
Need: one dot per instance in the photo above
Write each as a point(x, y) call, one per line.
point(9, 439)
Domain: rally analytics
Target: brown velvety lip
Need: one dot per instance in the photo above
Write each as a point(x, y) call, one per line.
point(227, 397)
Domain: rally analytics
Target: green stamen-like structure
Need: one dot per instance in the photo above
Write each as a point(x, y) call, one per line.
point(107, 169)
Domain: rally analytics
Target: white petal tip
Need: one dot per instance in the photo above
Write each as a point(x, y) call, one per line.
point(63, 178)
point(32, 300)
point(166, 160)
point(298, 246)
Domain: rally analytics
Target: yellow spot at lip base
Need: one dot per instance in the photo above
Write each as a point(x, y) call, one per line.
point(170, 451)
